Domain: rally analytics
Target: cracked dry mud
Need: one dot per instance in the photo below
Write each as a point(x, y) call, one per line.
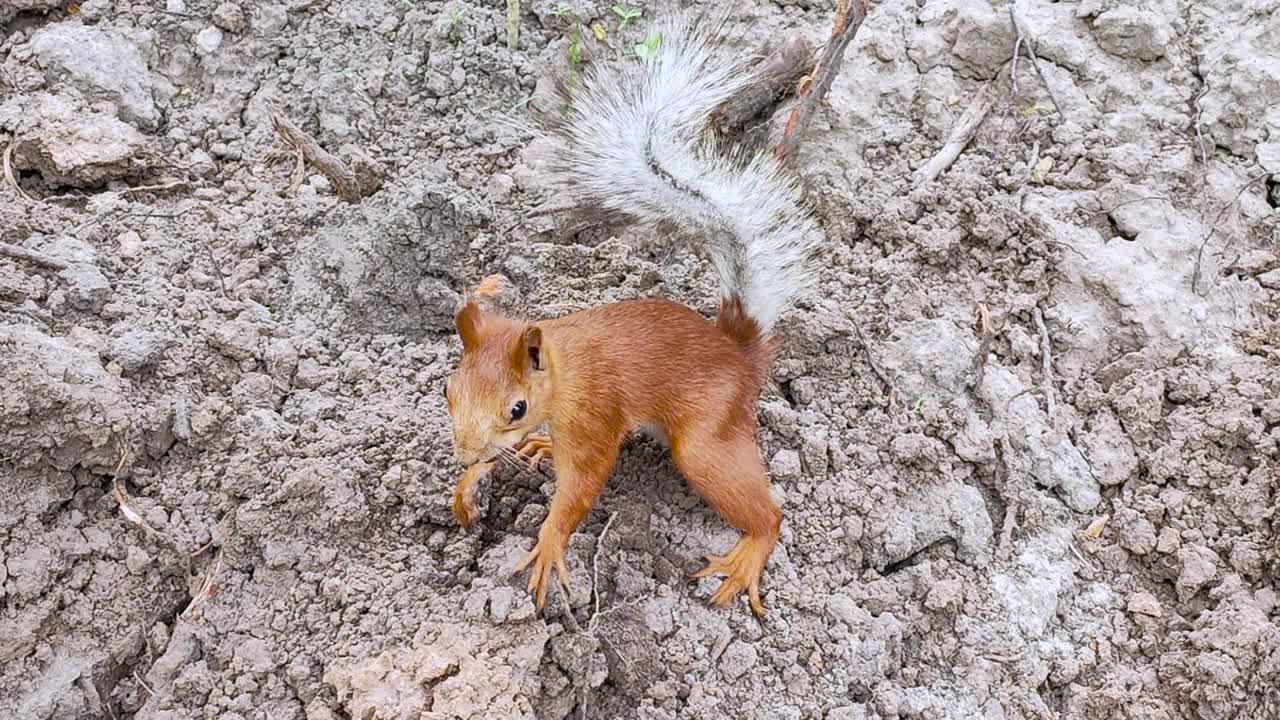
point(225, 463)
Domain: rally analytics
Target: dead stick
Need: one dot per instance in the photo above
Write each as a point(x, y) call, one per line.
point(345, 181)
point(849, 17)
point(875, 364)
point(1195, 278)
point(31, 256)
point(513, 24)
point(9, 176)
point(1022, 41)
point(595, 568)
point(157, 188)
point(1046, 361)
point(771, 80)
point(987, 334)
point(961, 134)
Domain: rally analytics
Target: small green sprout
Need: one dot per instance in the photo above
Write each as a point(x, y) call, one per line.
point(575, 52)
point(626, 15)
point(648, 50)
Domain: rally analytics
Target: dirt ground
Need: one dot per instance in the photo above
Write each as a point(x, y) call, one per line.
point(1026, 433)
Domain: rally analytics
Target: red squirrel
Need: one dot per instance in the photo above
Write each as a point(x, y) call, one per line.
point(639, 145)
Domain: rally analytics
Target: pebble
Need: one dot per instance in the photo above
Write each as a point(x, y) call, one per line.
point(130, 243)
point(1144, 603)
point(230, 17)
point(738, 658)
point(785, 464)
point(137, 349)
point(208, 40)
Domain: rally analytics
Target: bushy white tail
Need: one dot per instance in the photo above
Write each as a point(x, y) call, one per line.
point(640, 145)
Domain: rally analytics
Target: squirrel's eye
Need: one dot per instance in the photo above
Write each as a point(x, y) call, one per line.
point(518, 410)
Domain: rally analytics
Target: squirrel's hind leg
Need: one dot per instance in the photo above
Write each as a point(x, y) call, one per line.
point(731, 476)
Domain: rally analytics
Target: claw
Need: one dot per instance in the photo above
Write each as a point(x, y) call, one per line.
point(464, 503)
point(535, 449)
point(715, 566)
point(546, 560)
point(742, 568)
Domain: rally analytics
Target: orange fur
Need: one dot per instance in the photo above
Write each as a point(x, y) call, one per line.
point(603, 373)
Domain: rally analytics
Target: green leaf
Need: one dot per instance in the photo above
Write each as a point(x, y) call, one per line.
point(600, 33)
point(575, 47)
point(648, 49)
point(626, 14)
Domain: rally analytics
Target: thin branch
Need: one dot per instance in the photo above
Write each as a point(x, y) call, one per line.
point(966, 127)
point(31, 256)
point(1195, 278)
point(875, 364)
point(849, 17)
point(206, 587)
point(513, 24)
point(1046, 361)
point(9, 177)
point(157, 188)
point(350, 185)
point(773, 79)
point(595, 569)
point(987, 333)
point(1020, 30)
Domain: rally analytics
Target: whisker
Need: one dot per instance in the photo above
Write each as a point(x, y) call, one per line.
point(513, 457)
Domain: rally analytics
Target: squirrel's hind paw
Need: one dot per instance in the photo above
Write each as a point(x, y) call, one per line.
point(742, 569)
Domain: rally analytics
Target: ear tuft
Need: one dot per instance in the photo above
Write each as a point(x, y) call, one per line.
point(468, 321)
point(533, 347)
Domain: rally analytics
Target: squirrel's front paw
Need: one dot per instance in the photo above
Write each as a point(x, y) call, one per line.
point(534, 449)
point(546, 557)
point(464, 495)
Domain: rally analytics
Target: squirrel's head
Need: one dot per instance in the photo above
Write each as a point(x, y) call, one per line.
point(500, 390)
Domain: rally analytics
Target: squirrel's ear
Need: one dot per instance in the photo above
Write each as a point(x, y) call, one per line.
point(531, 348)
point(468, 320)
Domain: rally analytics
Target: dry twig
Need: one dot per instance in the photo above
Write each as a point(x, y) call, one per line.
point(875, 364)
point(986, 334)
point(156, 188)
point(771, 80)
point(143, 683)
point(206, 587)
point(513, 24)
point(849, 17)
point(1204, 90)
point(966, 127)
point(1046, 361)
point(595, 570)
point(31, 256)
point(117, 492)
point(350, 185)
point(1195, 277)
point(9, 177)
point(1020, 30)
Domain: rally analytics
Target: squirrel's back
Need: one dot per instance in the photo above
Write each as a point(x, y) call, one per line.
point(661, 340)
point(639, 144)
